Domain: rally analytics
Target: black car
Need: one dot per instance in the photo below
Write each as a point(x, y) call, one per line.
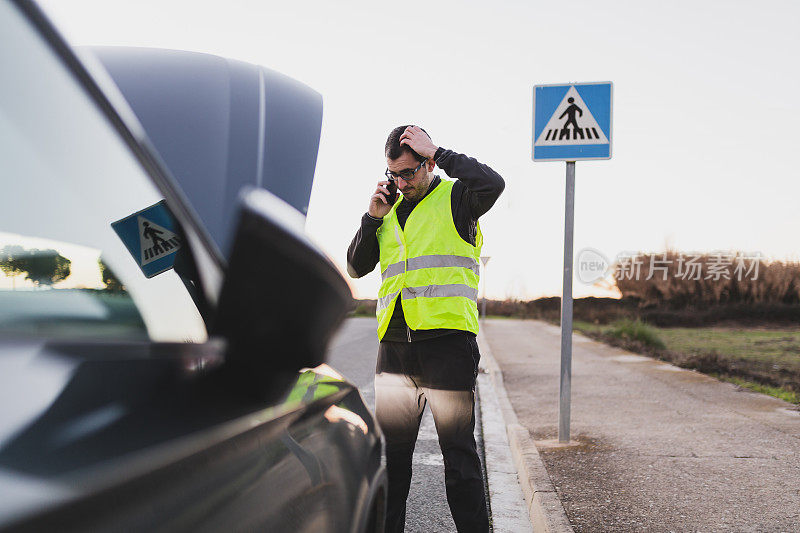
point(162, 360)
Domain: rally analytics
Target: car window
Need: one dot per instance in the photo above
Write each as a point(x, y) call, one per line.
point(67, 176)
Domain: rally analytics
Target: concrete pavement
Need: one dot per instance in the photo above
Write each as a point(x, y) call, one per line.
point(659, 448)
point(515, 469)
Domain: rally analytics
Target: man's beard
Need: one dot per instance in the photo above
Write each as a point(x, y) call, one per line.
point(415, 193)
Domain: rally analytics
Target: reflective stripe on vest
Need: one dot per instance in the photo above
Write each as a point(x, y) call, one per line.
point(429, 266)
point(431, 261)
point(432, 291)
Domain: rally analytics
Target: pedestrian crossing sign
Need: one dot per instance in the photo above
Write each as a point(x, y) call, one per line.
point(150, 235)
point(572, 122)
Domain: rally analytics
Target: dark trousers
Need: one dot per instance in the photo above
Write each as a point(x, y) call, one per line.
point(440, 372)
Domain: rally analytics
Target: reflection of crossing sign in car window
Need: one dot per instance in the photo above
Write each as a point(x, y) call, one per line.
point(155, 241)
point(150, 236)
point(572, 122)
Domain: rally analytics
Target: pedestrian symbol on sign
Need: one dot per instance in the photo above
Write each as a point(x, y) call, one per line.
point(571, 120)
point(564, 128)
point(152, 238)
point(156, 241)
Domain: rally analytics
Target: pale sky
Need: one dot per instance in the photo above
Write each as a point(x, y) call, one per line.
point(704, 127)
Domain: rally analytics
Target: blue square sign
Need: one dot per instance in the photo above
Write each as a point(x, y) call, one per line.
point(152, 238)
point(572, 122)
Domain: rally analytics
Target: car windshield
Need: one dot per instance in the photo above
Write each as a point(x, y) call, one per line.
point(87, 243)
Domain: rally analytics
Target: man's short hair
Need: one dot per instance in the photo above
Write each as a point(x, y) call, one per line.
point(393, 147)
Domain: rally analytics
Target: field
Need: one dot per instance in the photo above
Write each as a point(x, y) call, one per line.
point(763, 359)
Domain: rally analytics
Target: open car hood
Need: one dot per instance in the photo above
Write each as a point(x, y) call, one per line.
point(219, 125)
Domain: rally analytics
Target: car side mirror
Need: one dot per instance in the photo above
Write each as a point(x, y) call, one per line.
point(282, 298)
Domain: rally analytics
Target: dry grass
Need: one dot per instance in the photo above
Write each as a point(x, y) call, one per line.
point(776, 282)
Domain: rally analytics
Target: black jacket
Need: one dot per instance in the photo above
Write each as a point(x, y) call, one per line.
point(475, 192)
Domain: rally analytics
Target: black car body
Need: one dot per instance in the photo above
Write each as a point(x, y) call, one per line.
point(136, 399)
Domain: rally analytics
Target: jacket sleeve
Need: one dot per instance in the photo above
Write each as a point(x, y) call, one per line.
point(363, 253)
point(483, 185)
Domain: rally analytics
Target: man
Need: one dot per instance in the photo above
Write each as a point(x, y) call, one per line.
point(428, 246)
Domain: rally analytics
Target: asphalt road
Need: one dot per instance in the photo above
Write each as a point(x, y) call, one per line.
point(353, 353)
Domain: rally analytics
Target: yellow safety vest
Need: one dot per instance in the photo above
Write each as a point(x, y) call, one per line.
point(428, 267)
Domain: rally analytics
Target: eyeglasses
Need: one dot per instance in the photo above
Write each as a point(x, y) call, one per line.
point(406, 174)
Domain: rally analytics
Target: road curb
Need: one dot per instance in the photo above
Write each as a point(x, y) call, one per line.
point(545, 511)
point(506, 501)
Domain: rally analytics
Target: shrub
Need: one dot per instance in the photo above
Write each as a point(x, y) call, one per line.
point(636, 331)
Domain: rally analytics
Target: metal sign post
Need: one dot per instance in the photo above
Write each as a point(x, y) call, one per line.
point(571, 122)
point(566, 310)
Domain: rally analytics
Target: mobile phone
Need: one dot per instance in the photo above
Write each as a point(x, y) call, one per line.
point(392, 198)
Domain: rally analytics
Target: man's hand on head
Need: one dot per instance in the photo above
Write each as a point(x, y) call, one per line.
point(418, 140)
